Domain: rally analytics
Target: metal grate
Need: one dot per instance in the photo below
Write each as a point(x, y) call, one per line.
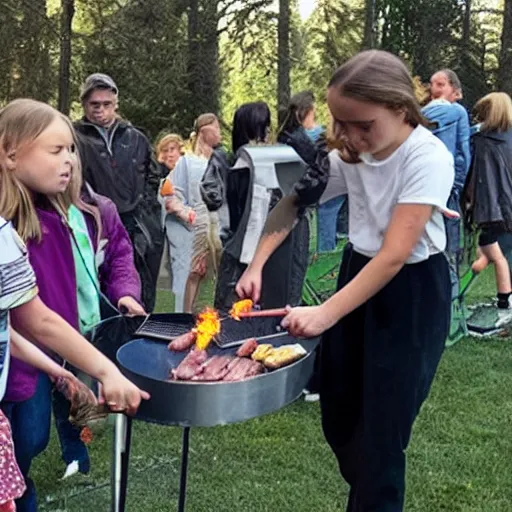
point(234, 332)
point(165, 326)
point(169, 326)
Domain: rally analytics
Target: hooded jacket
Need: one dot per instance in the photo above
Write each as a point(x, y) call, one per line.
point(54, 266)
point(119, 164)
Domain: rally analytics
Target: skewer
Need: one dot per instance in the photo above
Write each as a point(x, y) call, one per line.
point(264, 313)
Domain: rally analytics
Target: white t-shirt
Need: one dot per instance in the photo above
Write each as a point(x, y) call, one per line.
point(420, 171)
point(17, 287)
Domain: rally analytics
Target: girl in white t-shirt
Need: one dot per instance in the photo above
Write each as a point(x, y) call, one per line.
point(385, 329)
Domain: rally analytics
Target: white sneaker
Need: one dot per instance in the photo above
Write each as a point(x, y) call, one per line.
point(72, 469)
point(311, 397)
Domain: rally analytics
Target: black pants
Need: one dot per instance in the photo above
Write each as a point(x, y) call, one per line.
point(377, 366)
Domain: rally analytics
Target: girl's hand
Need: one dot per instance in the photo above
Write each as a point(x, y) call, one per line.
point(120, 394)
point(449, 214)
point(130, 306)
point(249, 285)
point(308, 322)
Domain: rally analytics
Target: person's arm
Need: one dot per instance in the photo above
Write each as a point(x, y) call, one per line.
point(281, 221)
point(40, 323)
point(463, 151)
point(27, 352)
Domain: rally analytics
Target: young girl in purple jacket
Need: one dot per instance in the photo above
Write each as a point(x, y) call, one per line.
point(75, 247)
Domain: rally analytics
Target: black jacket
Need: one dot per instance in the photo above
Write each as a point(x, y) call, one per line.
point(487, 197)
point(121, 168)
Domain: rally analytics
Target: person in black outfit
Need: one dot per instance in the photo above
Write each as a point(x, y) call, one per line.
point(487, 198)
point(384, 330)
point(231, 189)
point(118, 163)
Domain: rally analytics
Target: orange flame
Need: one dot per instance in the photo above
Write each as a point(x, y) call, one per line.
point(242, 306)
point(207, 326)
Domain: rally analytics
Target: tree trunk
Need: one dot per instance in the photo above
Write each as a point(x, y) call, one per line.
point(369, 25)
point(203, 59)
point(466, 25)
point(283, 62)
point(66, 21)
point(33, 64)
point(505, 69)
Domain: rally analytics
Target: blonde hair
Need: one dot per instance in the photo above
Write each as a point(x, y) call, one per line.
point(421, 91)
point(21, 122)
point(494, 111)
point(170, 138)
point(203, 120)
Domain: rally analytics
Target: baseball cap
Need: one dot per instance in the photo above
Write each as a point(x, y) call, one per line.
point(97, 81)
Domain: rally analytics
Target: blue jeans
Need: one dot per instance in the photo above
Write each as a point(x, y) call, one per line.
point(30, 423)
point(72, 447)
point(327, 216)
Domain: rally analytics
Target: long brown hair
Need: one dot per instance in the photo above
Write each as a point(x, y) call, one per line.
point(379, 77)
point(376, 76)
point(21, 122)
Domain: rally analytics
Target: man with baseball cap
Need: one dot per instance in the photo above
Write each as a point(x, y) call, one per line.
point(118, 163)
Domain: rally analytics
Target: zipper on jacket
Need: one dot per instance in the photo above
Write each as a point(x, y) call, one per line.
point(107, 140)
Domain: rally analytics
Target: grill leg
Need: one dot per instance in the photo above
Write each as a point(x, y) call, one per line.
point(184, 469)
point(122, 443)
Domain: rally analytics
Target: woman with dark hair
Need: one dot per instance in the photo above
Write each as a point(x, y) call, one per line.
point(251, 124)
point(301, 114)
point(300, 131)
point(247, 192)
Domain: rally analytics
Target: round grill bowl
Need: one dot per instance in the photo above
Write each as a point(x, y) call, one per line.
point(189, 404)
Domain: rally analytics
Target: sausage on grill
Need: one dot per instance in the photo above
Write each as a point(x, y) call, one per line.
point(183, 342)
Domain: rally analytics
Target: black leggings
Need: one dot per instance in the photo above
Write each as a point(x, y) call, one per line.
point(377, 366)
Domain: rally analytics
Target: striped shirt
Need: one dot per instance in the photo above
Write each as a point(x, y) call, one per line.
point(17, 287)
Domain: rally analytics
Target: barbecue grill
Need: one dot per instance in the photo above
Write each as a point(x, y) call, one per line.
point(147, 362)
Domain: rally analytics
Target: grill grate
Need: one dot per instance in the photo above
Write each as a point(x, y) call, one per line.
point(233, 332)
point(169, 326)
point(166, 326)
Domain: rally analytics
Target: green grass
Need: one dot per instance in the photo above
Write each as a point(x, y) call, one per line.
point(459, 460)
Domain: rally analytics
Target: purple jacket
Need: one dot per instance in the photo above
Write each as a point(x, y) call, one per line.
point(52, 260)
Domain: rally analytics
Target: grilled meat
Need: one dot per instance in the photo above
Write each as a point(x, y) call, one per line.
point(247, 349)
point(214, 369)
point(243, 368)
point(190, 366)
point(183, 342)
